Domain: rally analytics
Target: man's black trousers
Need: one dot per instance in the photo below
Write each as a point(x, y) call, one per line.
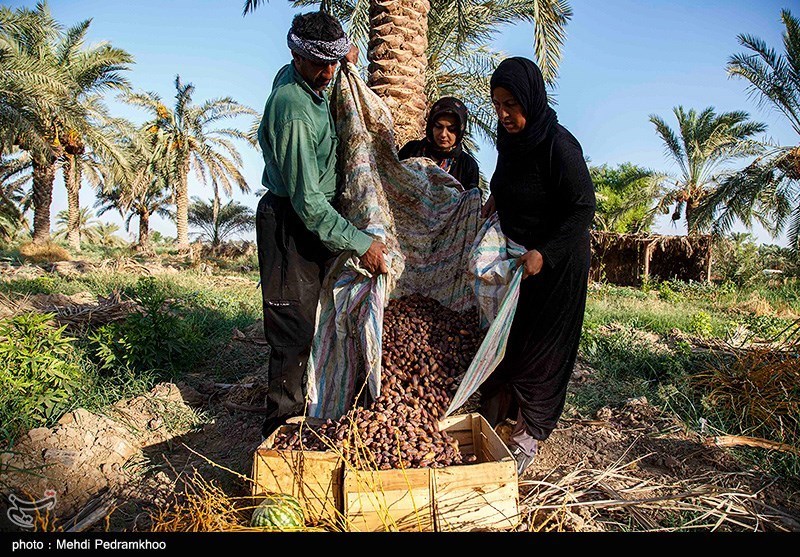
point(291, 262)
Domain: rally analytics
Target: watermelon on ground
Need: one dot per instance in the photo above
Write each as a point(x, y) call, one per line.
point(279, 511)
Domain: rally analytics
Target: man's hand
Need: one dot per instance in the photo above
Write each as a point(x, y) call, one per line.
point(352, 55)
point(373, 260)
point(531, 262)
point(488, 208)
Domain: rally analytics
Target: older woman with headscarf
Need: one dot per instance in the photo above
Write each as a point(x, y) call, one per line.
point(545, 201)
point(444, 132)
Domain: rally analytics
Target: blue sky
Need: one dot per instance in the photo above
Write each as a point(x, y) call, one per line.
point(623, 60)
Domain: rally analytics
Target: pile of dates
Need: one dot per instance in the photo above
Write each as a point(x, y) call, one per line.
point(426, 348)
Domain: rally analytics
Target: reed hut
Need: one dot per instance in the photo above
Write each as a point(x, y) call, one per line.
point(631, 259)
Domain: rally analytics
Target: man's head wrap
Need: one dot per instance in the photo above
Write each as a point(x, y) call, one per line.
point(321, 52)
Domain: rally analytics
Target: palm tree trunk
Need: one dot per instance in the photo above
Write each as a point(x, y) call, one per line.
point(691, 219)
point(44, 174)
point(72, 181)
point(182, 208)
point(215, 216)
point(144, 231)
point(398, 39)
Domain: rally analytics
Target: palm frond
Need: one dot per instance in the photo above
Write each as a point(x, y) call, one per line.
point(774, 78)
point(251, 5)
point(673, 145)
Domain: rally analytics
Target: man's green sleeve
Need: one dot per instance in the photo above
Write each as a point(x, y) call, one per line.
point(297, 161)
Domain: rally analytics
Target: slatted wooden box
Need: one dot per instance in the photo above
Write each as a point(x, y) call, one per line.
point(480, 496)
point(314, 477)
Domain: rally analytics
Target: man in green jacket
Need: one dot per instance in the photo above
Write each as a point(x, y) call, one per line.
point(297, 228)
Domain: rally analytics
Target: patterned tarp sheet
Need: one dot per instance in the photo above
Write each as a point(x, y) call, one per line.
point(496, 278)
point(429, 225)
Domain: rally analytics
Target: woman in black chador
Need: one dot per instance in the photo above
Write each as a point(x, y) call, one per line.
point(444, 132)
point(545, 201)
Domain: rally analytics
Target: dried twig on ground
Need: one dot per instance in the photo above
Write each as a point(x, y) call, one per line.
point(587, 499)
point(203, 507)
point(94, 511)
point(738, 440)
point(107, 309)
point(77, 312)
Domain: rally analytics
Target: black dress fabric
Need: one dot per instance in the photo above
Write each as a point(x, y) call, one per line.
point(545, 201)
point(458, 163)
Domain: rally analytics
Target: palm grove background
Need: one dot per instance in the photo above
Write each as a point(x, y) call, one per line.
point(56, 121)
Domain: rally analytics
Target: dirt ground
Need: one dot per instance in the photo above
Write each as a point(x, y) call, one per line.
point(629, 468)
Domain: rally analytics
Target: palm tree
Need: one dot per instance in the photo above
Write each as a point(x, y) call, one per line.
point(183, 138)
point(232, 218)
point(33, 39)
point(15, 175)
point(84, 156)
point(28, 89)
point(703, 143)
point(398, 41)
point(106, 235)
point(10, 220)
point(33, 95)
point(157, 238)
point(626, 197)
point(86, 225)
point(136, 186)
point(767, 189)
point(143, 206)
point(460, 61)
point(419, 50)
point(84, 146)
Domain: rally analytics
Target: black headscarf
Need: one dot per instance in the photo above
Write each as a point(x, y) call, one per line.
point(446, 106)
point(523, 79)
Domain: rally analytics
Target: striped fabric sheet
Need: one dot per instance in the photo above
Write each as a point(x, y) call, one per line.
point(428, 225)
point(492, 262)
point(496, 280)
point(348, 336)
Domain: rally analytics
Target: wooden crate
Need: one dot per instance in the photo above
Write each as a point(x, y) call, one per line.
point(482, 495)
point(314, 477)
point(388, 500)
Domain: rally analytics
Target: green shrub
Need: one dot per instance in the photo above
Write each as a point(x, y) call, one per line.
point(735, 258)
point(666, 293)
point(767, 327)
point(156, 338)
point(700, 324)
point(39, 375)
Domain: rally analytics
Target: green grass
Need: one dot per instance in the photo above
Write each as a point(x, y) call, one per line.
point(647, 312)
point(707, 310)
point(627, 340)
point(628, 365)
point(189, 331)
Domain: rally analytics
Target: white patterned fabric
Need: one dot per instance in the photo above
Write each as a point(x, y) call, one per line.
point(322, 52)
point(496, 280)
point(429, 226)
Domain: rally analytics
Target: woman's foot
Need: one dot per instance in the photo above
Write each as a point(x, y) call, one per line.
point(523, 458)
